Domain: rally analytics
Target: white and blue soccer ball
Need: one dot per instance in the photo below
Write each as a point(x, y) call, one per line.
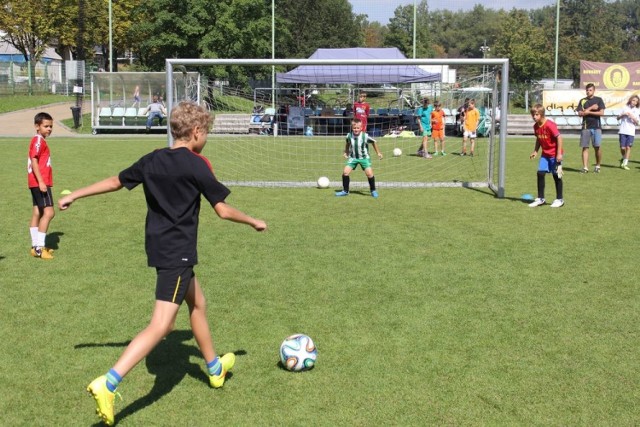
point(298, 353)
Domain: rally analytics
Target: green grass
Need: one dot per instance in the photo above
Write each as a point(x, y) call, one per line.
point(441, 306)
point(9, 103)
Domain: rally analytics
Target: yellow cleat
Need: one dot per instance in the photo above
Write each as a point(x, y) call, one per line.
point(227, 361)
point(42, 252)
point(104, 399)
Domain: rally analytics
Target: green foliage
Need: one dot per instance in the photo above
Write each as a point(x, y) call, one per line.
point(158, 29)
point(518, 36)
point(15, 103)
point(400, 31)
point(311, 25)
point(168, 29)
point(496, 315)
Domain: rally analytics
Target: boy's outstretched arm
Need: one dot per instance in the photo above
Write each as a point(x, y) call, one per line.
point(225, 211)
point(105, 186)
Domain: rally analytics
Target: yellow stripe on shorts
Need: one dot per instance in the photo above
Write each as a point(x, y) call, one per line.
point(176, 290)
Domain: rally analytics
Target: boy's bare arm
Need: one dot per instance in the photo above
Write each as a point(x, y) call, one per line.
point(227, 212)
point(105, 186)
point(378, 152)
point(35, 167)
point(559, 149)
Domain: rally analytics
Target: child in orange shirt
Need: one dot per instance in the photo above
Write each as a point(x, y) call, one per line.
point(471, 121)
point(437, 127)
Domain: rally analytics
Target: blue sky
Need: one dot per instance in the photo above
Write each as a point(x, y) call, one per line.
point(382, 10)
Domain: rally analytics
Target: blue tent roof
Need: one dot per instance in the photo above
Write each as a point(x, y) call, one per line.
point(358, 74)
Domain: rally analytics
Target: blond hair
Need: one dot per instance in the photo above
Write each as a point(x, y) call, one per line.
point(537, 108)
point(186, 116)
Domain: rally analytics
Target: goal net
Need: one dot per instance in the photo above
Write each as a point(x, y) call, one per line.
point(284, 122)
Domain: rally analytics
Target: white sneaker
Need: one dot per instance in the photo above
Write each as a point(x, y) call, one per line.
point(557, 203)
point(537, 202)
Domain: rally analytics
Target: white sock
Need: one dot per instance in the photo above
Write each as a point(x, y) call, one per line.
point(34, 235)
point(41, 237)
point(625, 161)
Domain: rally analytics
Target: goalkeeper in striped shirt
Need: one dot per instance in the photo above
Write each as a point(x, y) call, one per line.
point(356, 151)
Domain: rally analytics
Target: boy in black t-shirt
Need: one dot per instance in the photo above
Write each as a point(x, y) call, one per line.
point(173, 180)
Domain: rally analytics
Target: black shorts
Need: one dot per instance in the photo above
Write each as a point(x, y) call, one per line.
point(173, 283)
point(40, 199)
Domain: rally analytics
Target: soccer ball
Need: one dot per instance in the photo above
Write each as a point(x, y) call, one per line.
point(298, 353)
point(323, 182)
point(397, 152)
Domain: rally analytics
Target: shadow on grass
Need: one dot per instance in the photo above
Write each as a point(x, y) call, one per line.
point(169, 362)
point(52, 240)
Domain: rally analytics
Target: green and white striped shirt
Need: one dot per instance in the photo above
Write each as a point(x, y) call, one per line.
point(359, 145)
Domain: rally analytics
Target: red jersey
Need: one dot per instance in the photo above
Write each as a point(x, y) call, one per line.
point(361, 111)
point(547, 135)
point(39, 149)
point(437, 119)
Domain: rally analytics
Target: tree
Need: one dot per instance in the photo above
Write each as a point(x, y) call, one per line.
point(525, 45)
point(27, 30)
point(629, 10)
point(589, 30)
point(168, 29)
point(313, 24)
point(445, 32)
point(400, 33)
point(373, 32)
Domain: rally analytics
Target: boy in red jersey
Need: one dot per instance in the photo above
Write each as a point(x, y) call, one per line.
point(361, 110)
point(40, 180)
point(548, 137)
point(174, 179)
point(437, 127)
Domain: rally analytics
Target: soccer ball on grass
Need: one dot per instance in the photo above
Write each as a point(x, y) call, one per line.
point(298, 353)
point(323, 182)
point(397, 152)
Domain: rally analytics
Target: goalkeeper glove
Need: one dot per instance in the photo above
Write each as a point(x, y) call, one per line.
point(559, 171)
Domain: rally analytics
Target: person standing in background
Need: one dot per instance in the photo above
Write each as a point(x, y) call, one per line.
point(361, 110)
point(629, 118)
point(591, 108)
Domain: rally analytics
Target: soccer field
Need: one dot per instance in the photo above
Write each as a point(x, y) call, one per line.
point(429, 306)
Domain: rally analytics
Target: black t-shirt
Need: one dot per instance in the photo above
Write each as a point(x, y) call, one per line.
point(591, 122)
point(173, 180)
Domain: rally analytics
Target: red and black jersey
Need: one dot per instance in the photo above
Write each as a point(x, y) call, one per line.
point(173, 180)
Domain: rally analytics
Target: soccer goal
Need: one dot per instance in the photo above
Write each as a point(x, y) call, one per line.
point(283, 122)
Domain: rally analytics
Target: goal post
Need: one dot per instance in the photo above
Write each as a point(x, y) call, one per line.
point(302, 144)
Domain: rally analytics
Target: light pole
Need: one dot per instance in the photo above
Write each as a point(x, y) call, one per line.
point(484, 49)
point(555, 69)
point(414, 29)
point(273, 53)
point(110, 38)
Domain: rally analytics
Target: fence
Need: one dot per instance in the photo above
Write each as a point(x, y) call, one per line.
point(48, 77)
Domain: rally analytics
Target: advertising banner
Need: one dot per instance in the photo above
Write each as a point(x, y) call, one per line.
point(622, 76)
point(568, 99)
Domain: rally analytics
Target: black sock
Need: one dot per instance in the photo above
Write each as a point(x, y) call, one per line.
point(541, 185)
point(372, 183)
point(558, 181)
point(345, 183)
